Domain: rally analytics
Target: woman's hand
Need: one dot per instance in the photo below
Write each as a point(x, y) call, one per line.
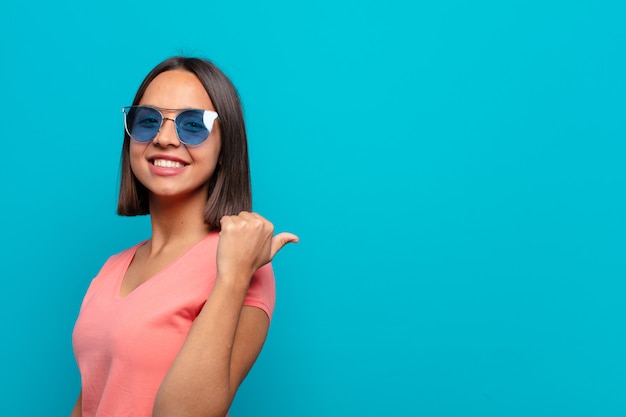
point(247, 243)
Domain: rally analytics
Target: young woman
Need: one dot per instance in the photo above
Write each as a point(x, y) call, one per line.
point(171, 326)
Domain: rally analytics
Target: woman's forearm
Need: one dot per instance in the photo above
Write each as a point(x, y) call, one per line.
point(199, 380)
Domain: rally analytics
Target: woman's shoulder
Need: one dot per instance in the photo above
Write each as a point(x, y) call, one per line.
point(201, 252)
point(124, 254)
point(115, 265)
point(118, 260)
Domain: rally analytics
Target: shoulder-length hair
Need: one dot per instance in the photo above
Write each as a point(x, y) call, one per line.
point(229, 187)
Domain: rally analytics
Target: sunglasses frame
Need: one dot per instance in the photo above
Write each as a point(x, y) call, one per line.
point(208, 118)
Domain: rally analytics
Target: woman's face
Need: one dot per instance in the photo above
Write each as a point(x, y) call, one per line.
point(165, 166)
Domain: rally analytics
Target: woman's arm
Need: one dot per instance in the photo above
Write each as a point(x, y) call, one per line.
point(226, 338)
point(219, 350)
point(77, 411)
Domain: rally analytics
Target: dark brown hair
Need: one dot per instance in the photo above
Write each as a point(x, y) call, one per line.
point(229, 187)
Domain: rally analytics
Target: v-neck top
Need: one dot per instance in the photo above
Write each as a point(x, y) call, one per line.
point(124, 346)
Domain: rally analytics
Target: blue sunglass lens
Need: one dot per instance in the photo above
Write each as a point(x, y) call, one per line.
point(143, 123)
point(191, 128)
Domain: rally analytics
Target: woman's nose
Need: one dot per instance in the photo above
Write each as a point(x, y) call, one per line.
point(167, 135)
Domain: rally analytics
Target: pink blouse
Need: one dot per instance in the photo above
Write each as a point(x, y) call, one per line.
point(124, 346)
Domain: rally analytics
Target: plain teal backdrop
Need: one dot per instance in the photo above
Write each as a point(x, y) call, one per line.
point(455, 171)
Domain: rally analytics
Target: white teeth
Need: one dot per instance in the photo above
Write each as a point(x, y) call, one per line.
point(166, 163)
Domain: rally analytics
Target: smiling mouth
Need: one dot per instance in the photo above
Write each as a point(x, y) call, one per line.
point(166, 163)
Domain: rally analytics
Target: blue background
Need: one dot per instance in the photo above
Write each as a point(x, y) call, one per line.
point(454, 170)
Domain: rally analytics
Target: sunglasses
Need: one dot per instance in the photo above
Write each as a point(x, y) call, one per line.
point(143, 123)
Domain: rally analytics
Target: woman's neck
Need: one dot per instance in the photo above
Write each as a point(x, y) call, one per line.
point(177, 221)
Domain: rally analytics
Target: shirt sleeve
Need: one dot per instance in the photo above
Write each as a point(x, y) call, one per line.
point(262, 290)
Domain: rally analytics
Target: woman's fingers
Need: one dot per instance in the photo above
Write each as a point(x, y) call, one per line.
point(247, 240)
point(280, 240)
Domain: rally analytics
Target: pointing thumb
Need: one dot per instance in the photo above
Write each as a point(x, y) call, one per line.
point(280, 240)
